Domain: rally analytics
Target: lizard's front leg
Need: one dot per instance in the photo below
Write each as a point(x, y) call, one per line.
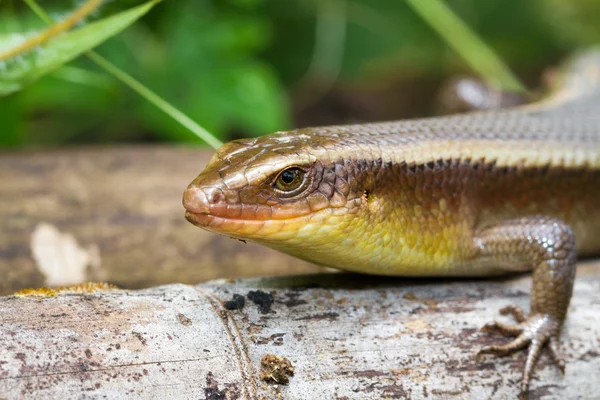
point(547, 245)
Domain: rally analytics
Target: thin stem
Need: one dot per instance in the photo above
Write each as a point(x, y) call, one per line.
point(35, 7)
point(328, 54)
point(142, 90)
point(155, 99)
point(52, 31)
point(480, 57)
point(82, 76)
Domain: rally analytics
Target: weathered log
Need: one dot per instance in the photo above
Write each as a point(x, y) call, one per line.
point(346, 336)
point(113, 214)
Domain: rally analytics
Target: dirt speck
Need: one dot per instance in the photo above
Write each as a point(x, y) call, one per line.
point(276, 369)
point(21, 357)
point(294, 300)
point(212, 392)
point(276, 339)
point(330, 316)
point(236, 303)
point(140, 337)
point(262, 300)
point(409, 296)
point(183, 320)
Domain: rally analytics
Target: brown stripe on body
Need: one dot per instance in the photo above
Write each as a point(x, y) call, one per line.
point(572, 195)
point(436, 208)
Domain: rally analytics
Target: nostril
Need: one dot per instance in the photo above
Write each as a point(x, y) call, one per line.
point(217, 197)
point(195, 201)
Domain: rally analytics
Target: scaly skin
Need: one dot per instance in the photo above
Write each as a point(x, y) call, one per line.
point(467, 195)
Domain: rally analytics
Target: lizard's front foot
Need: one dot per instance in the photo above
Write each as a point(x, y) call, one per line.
point(548, 244)
point(533, 331)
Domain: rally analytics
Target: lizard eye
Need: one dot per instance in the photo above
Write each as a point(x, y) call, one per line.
point(289, 179)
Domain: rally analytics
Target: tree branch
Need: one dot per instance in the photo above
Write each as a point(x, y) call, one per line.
point(346, 336)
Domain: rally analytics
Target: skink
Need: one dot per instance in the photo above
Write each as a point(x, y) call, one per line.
point(474, 194)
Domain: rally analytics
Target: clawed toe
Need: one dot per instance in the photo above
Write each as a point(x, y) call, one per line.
point(508, 348)
point(535, 331)
point(506, 330)
point(555, 354)
point(515, 311)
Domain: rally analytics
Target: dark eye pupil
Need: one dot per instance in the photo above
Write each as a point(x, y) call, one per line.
point(288, 177)
point(289, 180)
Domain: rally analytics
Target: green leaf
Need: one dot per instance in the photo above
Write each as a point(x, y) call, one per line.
point(218, 78)
point(22, 70)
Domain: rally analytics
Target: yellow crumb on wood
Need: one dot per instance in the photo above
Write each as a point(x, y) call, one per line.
point(276, 369)
point(88, 287)
point(40, 292)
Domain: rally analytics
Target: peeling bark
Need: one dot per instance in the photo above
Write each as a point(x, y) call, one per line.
point(346, 337)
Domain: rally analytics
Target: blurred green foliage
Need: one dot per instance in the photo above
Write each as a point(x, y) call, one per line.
point(25, 67)
point(237, 66)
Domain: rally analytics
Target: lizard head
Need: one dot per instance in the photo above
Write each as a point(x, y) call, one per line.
point(324, 195)
point(272, 190)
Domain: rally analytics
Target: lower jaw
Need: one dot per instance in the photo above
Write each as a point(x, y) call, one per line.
point(266, 232)
point(236, 228)
point(200, 220)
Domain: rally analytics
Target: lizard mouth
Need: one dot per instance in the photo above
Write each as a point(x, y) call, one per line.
point(237, 228)
point(225, 219)
point(198, 219)
point(205, 208)
point(216, 222)
point(264, 231)
point(246, 221)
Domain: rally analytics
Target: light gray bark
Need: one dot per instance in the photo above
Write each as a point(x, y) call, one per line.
point(347, 336)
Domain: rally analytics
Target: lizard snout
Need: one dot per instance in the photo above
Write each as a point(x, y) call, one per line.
point(196, 201)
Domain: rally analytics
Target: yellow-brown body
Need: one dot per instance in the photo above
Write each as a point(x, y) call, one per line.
point(472, 194)
point(406, 198)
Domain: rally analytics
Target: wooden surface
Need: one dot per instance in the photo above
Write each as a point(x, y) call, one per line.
point(113, 214)
point(347, 337)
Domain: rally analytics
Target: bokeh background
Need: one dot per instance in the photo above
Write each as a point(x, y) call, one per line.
point(244, 68)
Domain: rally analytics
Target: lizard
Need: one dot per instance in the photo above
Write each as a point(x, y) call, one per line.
point(475, 194)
